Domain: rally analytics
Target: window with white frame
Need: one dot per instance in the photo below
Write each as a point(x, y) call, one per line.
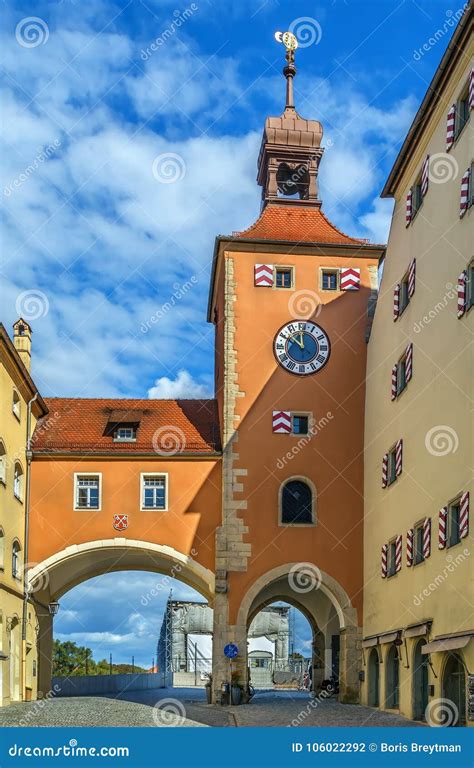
point(283, 277)
point(16, 404)
point(16, 569)
point(3, 464)
point(329, 279)
point(125, 435)
point(18, 481)
point(154, 491)
point(87, 491)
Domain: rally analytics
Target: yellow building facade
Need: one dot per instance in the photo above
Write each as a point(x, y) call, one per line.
point(418, 647)
point(21, 406)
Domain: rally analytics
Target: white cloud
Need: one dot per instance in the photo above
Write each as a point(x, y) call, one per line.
point(377, 221)
point(183, 386)
point(106, 241)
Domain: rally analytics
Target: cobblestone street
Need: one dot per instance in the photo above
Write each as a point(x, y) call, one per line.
point(187, 707)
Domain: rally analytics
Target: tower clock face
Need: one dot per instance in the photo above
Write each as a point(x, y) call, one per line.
point(302, 347)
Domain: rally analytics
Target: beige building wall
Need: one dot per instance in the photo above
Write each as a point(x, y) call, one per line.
point(433, 415)
point(18, 660)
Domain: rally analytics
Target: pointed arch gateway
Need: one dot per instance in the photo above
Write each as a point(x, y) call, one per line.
point(325, 604)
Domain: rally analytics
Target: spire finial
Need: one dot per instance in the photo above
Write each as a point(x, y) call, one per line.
point(291, 44)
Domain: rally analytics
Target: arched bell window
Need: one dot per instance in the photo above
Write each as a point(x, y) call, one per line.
point(297, 502)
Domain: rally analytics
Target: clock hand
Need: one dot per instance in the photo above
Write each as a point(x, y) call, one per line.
point(301, 342)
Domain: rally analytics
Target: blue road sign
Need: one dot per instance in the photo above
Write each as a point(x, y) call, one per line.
point(231, 651)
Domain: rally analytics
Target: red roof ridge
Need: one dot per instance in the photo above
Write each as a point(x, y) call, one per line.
point(300, 224)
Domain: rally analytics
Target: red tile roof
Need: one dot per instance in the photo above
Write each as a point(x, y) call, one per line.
point(296, 224)
point(167, 427)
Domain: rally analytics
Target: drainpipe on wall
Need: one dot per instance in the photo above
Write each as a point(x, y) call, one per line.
point(25, 544)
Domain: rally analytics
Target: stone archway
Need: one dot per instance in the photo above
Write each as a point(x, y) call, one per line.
point(55, 576)
point(324, 603)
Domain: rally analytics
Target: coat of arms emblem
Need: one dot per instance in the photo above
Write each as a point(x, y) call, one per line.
point(120, 522)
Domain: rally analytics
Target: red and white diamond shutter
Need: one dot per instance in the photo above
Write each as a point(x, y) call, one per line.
point(350, 279)
point(398, 457)
point(383, 561)
point(411, 277)
point(396, 301)
point(450, 121)
point(426, 537)
point(462, 293)
point(398, 553)
point(464, 515)
point(442, 527)
point(385, 471)
point(425, 175)
point(410, 537)
point(409, 362)
point(471, 89)
point(264, 275)
point(393, 392)
point(281, 422)
point(464, 198)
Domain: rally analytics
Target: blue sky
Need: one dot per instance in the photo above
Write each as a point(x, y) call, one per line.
point(99, 233)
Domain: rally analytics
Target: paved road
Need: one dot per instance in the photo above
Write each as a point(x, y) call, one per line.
point(187, 707)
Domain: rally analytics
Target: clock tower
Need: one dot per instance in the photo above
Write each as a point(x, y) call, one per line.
point(290, 300)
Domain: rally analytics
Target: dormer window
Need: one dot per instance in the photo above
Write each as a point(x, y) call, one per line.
point(123, 424)
point(125, 435)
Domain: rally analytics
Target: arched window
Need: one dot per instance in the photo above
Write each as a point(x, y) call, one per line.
point(2, 549)
point(18, 481)
point(3, 463)
point(296, 503)
point(16, 549)
point(16, 404)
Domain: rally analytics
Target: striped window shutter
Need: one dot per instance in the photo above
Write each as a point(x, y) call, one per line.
point(425, 175)
point(383, 562)
point(462, 293)
point(409, 362)
point(451, 119)
point(281, 422)
point(442, 527)
point(464, 515)
point(464, 198)
point(350, 279)
point(410, 536)
point(408, 208)
point(396, 301)
point(411, 277)
point(264, 275)
point(385, 471)
point(398, 457)
point(471, 89)
point(394, 382)
point(427, 537)
point(398, 553)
